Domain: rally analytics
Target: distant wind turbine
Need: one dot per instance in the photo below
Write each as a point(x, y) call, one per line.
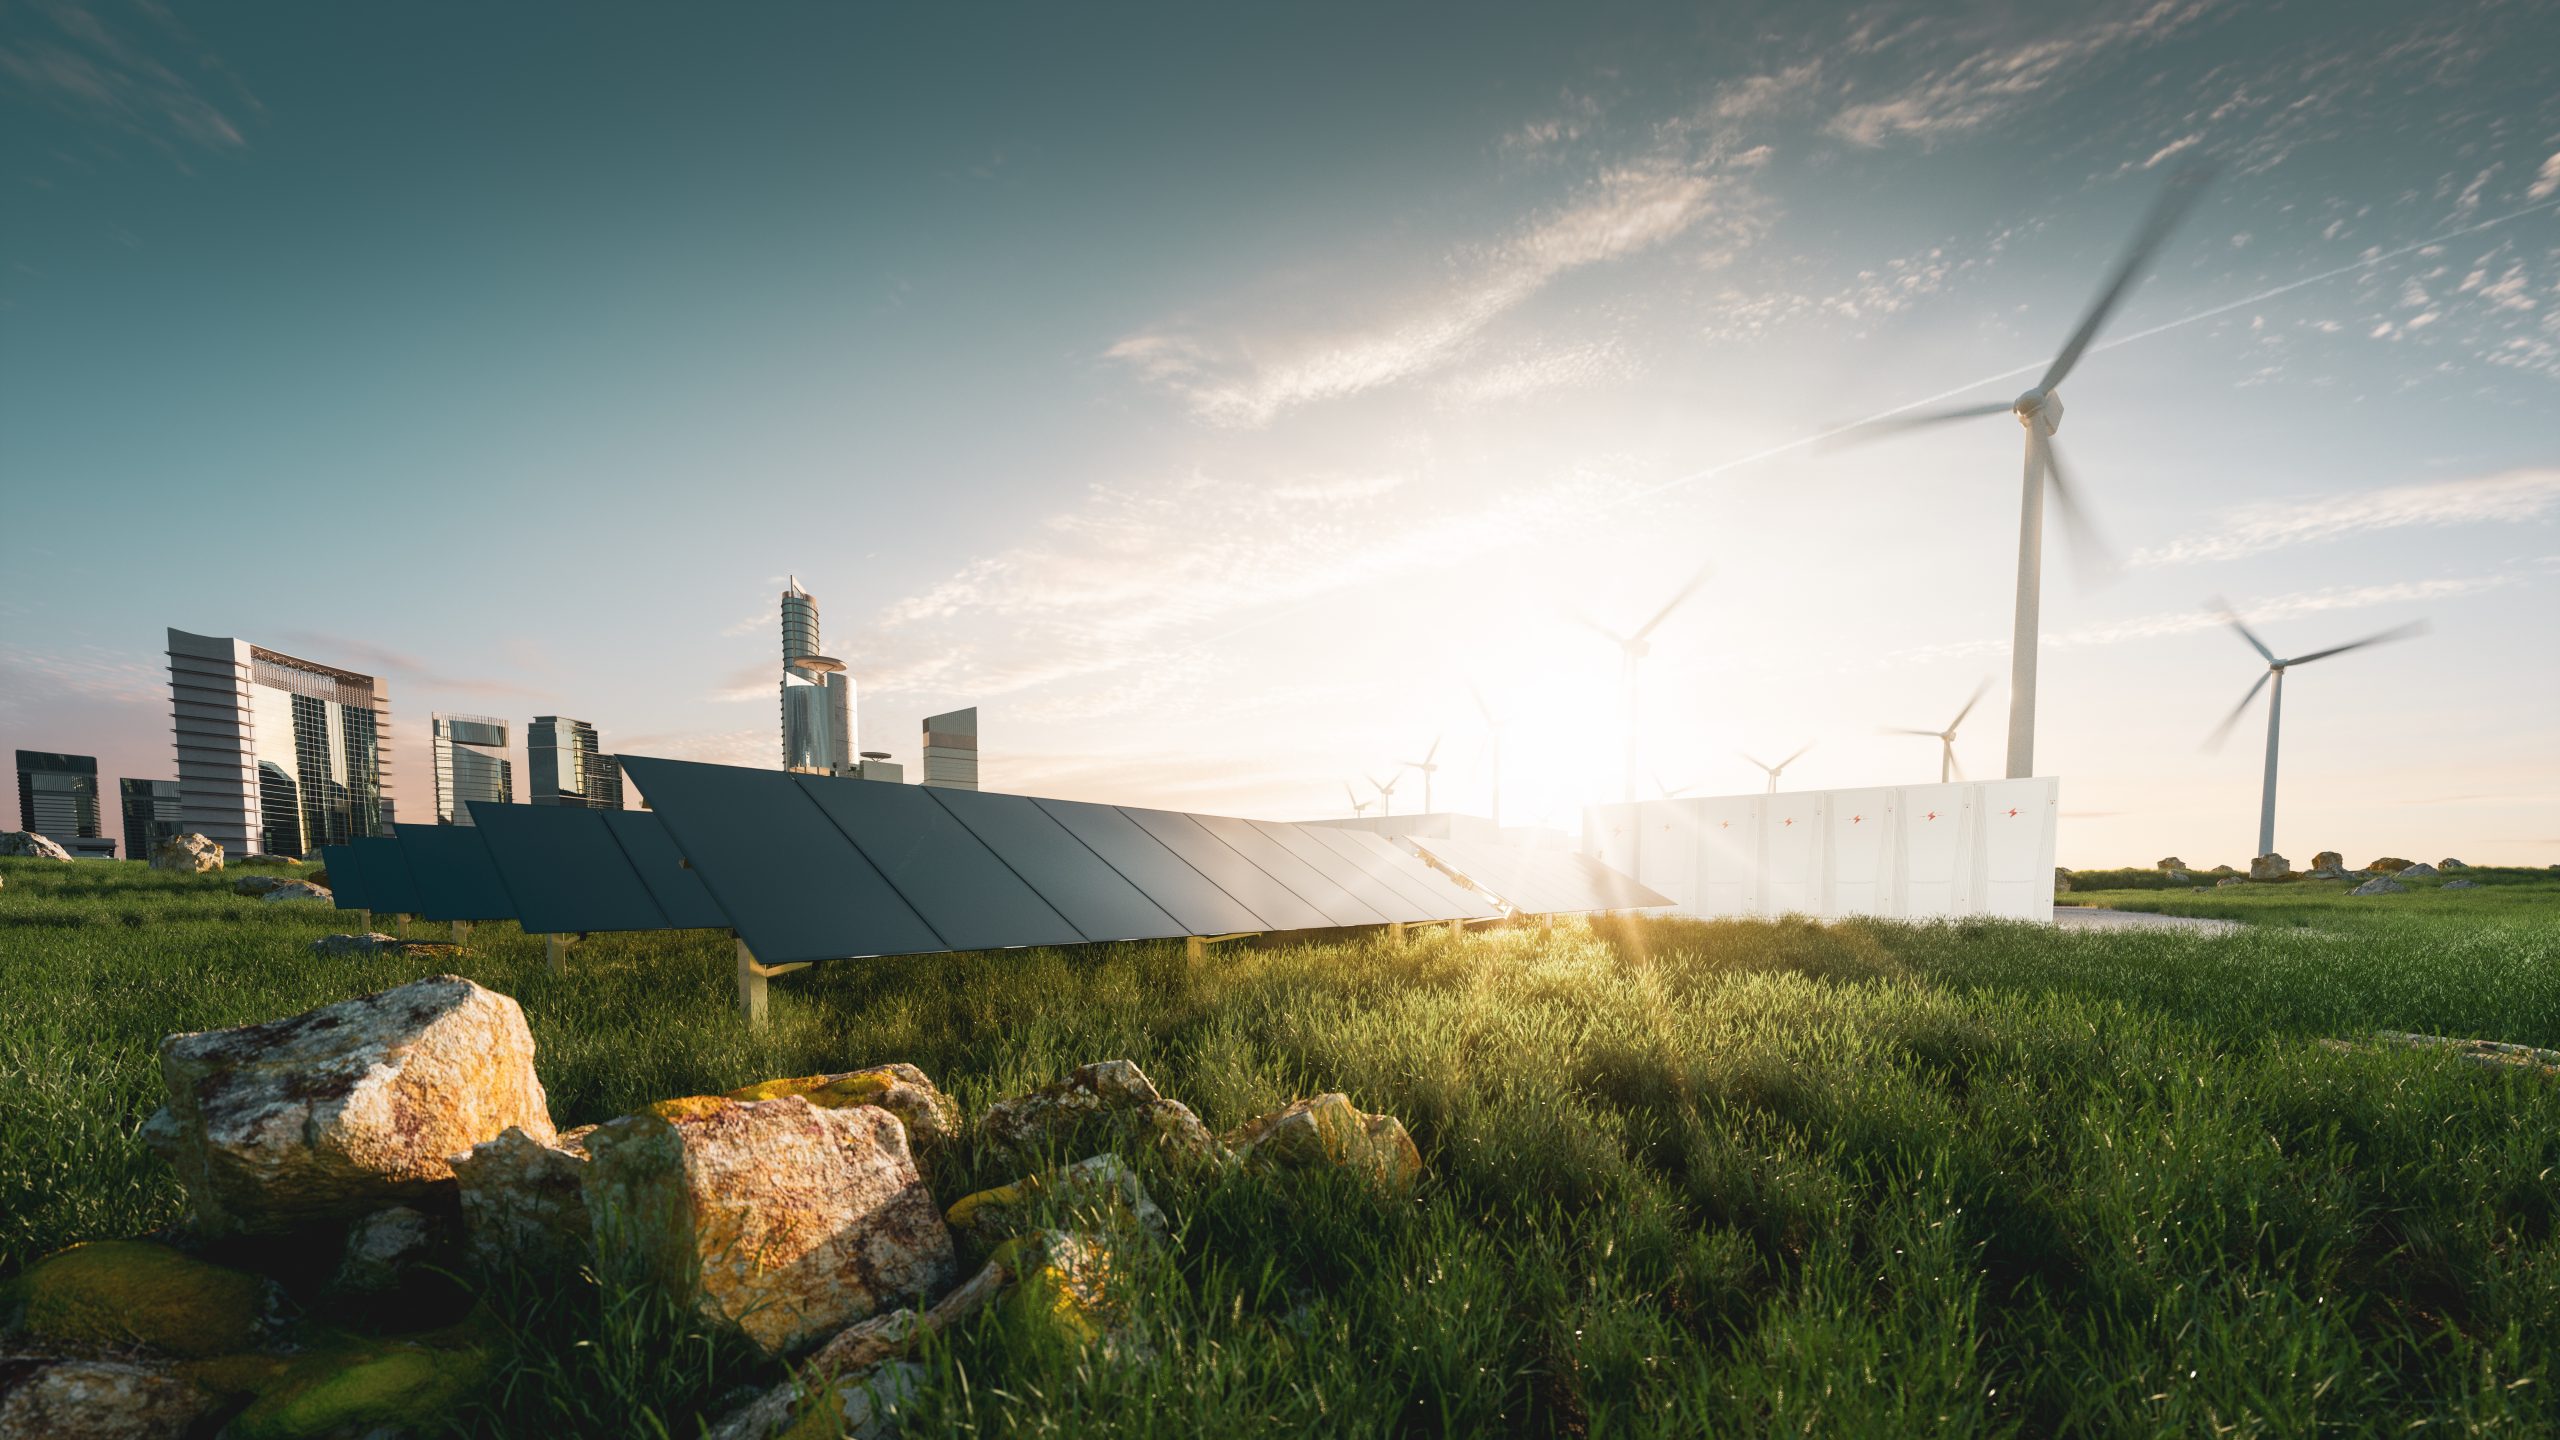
point(1493, 723)
point(1777, 769)
point(2275, 705)
point(1947, 766)
point(2039, 411)
point(1386, 792)
point(1632, 648)
point(1359, 806)
point(1428, 766)
point(1667, 792)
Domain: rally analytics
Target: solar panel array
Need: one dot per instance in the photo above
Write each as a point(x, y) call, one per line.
point(814, 867)
point(1536, 882)
point(554, 870)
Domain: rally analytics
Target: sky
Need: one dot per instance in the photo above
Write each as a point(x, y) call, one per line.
point(1224, 398)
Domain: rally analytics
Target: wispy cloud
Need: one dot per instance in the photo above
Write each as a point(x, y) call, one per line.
point(1535, 369)
point(89, 671)
point(1994, 79)
point(2511, 496)
point(373, 659)
point(81, 68)
point(2546, 181)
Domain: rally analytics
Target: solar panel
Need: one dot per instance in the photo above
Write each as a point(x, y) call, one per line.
point(791, 884)
point(1193, 900)
point(1276, 905)
point(1553, 882)
point(346, 877)
point(972, 899)
point(660, 866)
point(456, 880)
point(1433, 894)
point(1099, 901)
point(385, 867)
point(564, 871)
point(1338, 875)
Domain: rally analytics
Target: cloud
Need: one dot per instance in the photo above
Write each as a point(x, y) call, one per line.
point(88, 672)
point(1992, 79)
point(2510, 496)
point(1536, 369)
point(87, 72)
point(373, 659)
point(2546, 181)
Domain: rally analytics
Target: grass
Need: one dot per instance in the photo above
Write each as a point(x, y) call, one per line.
point(1684, 1178)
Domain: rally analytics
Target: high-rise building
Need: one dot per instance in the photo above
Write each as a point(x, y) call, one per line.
point(276, 755)
point(817, 694)
point(151, 815)
point(58, 794)
point(568, 769)
point(471, 764)
point(951, 750)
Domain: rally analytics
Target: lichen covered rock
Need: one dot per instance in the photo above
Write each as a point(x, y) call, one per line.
point(361, 1387)
point(902, 1090)
point(1113, 1094)
point(2270, 866)
point(57, 1398)
point(782, 1218)
point(1102, 1183)
point(119, 1293)
point(1329, 1130)
point(1066, 1285)
point(2416, 872)
point(190, 853)
point(28, 845)
point(2380, 885)
point(386, 1249)
point(296, 890)
point(255, 884)
point(339, 1111)
point(524, 1203)
point(2328, 860)
point(2388, 864)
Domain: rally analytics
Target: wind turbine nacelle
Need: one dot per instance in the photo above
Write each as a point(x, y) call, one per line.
point(2039, 407)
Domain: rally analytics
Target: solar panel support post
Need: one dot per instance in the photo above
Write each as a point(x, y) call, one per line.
point(461, 928)
point(1196, 947)
point(555, 951)
point(1395, 933)
point(750, 988)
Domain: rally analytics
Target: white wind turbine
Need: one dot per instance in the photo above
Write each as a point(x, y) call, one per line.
point(1428, 766)
point(1632, 648)
point(1667, 792)
point(1359, 807)
point(1493, 723)
point(2039, 411)
point(1947, 766)
point(1777, 769)
point(1386, 792)
point(2275, 705)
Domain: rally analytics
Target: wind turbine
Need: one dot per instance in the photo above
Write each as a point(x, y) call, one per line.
point(1774, 770)
point(2275, 705)
point(1492, 722)
point(1386, 792)
point(2039, 411)
point(1428, 769)
point(1947, 738)
point(1632, 648)
point(1359, 807)
point(1667, 792)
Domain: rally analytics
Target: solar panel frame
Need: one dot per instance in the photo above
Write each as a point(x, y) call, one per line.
point(394, 890)
point(1195, 901)
point(970, 897)
point(456, 878)
point(564, 870)
point(1341, 873)
point(675, 886)
point(1080, 885)
point(1272, 902)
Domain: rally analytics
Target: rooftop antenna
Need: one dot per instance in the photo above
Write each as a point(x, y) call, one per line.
point(1779, 768)
point(1948, 767)
point(2275, 705)
point(1632, 648)
point(2039, 412)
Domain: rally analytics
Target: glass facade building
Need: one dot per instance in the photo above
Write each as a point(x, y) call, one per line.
point(817, 694)
point(471, 764)
point(58, 795)
point(277, 755)
point(151, 815)
point(951, 750)
point(567, 766)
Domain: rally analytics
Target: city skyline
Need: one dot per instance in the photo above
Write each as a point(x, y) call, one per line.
point(1224, 436)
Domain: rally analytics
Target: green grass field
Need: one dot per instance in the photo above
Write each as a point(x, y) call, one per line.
point(1866, 1179)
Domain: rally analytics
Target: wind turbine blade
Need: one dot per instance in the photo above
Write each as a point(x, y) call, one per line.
point(1954, 762)
point(1594, 626)
point(1685, 592)
point(2224, 607)
point(1918, 420)
point(1433, 753)
point(2166, 212)
point(2408, 631)
point(2087, 545)
point(1747, 755)
point(1978, 692)
point(1790, 760)
point(1895, 730)
point(1482, 708)
point(2223, 730)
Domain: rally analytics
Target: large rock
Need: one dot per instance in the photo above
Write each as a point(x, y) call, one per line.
point(54, 1398)
point(119, 1293)
point(2460, 885)
point(838, 1389)
point(784, 1219)
point(297, 890)
point(902, 1090)
point(1329, 1130)
point(2328, 860)
point(524, 1203)
point(2270, 866)
point(28, 845)
point(190, 853)
point(2416, 872)
point(2449, 863)
point(1071, 1286)
point(1109, 1094)
point(366, 1388)
point(2380, 885)
point(2061, 881)
point(342, 1110)
point(254, 885)
point(1102, 1183)
point(2388, 864)
point(2170, 862)
point(390, 1250)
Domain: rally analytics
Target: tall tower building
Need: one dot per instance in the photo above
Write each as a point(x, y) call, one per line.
point(568, 768)
point(276, 755)
point(471, 764)
point(817, 694)
point(951, 750)
point(150, 815)
point(58, 795)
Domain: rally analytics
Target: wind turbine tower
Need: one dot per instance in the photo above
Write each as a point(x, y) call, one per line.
point(2275, 705)
point(1632, 648)
point(1429, 766)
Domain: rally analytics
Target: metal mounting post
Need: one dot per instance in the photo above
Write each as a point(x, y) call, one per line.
point(461, 928)
point(1395, 932)
point(555, 952)
point(750, 988)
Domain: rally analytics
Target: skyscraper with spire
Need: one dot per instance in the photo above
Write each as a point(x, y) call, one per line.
point(817, 694)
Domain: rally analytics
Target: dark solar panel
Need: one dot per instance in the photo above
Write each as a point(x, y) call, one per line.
point(1341, 872)
point(1196, 903)
point(1339, 906)
point(1422, 893)
point(564, 872)
point(456, 880)
point(971, 898)
point(790, 882)
point(385, 866)
point(660, 866)
point(1253, 887)
point(346, 877)
point(1096, 899)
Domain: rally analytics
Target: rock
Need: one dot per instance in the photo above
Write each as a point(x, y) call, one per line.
point(2170, 863)
point(365, 1388)
point(378, 943)
point(2494, 1054)
point(2179, 877)
point(191, 853)
point(2227, 881)
point(28, 845)
point(386, 1250)
point(902, 1090)
point(2388, 864)
point(849, 1361)
point(1065, 1284)
point(298, 890)
point(1113, 1094)
point(339, 1111)
point(524, 1203)
point(780, 1217)
point(1102, 1182)
point(2328, 860)
point(258, 884)
point(2460, 885)
point(2416, 872)
point(319, 877)
point(1329, 1131)
point(2380, 885)
point(53, 1398)
point(2270, 866)
point(2451, 864)
point(137, 1292)
point(2222, 870)
point(2061, 881)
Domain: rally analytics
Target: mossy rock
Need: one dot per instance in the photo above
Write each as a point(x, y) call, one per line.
point(1068, 1287)
point(137, 1292)
point(355, 1385)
